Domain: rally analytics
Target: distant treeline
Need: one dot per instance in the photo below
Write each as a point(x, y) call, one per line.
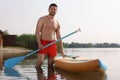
point(29, 41)
point(91, 45)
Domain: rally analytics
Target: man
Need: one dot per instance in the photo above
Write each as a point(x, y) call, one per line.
point(46, 30)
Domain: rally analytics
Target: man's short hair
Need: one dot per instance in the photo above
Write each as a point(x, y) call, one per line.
point(53, 4)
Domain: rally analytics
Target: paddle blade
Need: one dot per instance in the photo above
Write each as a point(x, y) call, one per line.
point(13, 61)
point(11, 72)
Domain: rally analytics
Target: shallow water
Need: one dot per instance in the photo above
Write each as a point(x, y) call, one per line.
point(26, 70)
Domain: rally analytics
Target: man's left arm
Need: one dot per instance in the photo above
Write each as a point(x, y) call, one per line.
point(58, 35)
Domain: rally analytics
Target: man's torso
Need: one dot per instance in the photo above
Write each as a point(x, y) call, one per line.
point(49, 28)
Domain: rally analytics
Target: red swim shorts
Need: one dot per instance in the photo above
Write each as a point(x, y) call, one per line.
point(51, 50)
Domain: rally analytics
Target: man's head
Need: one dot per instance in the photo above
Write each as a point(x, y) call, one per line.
point(52, 9)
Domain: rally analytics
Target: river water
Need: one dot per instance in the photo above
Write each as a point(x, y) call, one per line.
point(110, 56)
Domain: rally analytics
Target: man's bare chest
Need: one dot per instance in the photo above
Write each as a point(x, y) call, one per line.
point(50, 25)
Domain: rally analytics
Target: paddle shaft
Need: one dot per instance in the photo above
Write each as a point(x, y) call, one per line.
point(53, 42)
point(13, 61)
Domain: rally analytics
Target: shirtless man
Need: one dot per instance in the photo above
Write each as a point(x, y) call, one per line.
point(46, 30)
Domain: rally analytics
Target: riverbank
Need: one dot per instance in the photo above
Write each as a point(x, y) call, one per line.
point(9, 52)
point(13, 50)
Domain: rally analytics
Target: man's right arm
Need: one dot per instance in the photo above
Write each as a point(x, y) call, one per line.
point(38, 32)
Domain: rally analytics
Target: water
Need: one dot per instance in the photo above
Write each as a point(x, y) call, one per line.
point(110, 56)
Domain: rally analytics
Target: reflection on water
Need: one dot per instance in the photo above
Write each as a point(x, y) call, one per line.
point(81, 76)
point(30, 74)
point(26, 71)
point(11, 72)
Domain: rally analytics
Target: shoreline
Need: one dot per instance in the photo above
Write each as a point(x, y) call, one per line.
point(9, 52)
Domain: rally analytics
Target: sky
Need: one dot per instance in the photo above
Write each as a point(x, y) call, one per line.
point(97, 19)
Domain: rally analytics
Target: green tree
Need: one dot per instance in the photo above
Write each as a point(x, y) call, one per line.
point(27, 41)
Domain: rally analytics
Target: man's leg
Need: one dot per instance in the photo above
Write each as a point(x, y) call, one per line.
point(50, 66)
point(40, 59)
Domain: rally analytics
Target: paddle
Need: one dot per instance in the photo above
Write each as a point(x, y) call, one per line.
point(9, 63)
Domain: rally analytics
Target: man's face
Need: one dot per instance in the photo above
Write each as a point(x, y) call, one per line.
point(52, 10)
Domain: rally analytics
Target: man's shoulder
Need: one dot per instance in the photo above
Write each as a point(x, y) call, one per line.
point(43, 18)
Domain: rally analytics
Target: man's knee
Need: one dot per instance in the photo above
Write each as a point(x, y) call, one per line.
point(50, 65)
point(37, 66)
